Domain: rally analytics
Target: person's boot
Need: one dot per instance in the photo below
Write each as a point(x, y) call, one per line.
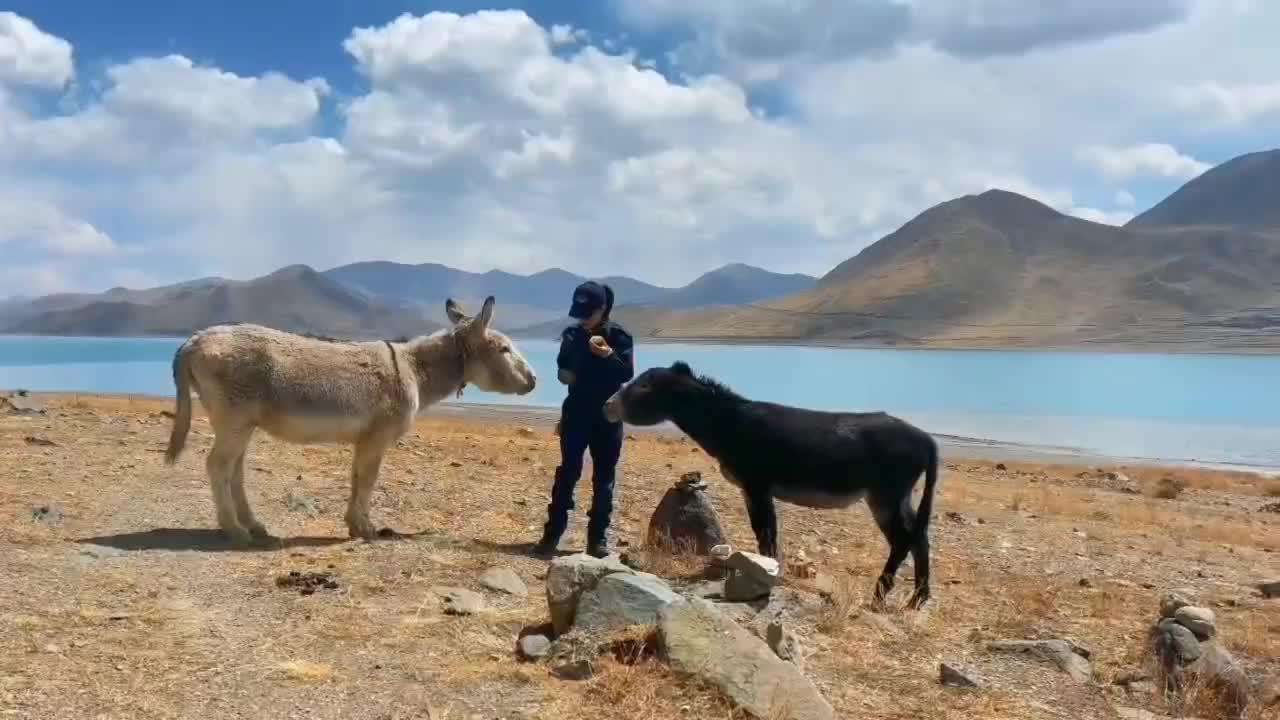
point(599, 548)
point(551, 532)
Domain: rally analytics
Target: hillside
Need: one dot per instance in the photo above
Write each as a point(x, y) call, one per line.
point(532, 302)
point(295, 298)
point(1242, 192)
point(999, 269)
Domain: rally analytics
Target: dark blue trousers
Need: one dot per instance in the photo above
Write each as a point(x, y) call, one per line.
point(604, 440)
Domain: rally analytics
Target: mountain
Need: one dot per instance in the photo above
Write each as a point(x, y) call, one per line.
point(295, 298)
point(543, 298)
point(1000, 269)
point(1242, 192)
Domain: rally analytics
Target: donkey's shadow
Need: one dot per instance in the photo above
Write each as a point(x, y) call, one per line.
point(201, 540)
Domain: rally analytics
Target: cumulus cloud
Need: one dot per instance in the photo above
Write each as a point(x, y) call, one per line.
point(486, 140)
point(30, 56)
point(1147, 159)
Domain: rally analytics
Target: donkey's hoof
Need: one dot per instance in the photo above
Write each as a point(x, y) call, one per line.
point(259, 531)
point(362, 531)
point(239, 537)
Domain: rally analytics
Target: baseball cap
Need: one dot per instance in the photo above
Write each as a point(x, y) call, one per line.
point(587, 297)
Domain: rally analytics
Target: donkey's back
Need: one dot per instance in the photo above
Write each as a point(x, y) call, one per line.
point(297, 388)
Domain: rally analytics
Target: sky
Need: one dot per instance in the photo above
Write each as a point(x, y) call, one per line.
point(151, 142)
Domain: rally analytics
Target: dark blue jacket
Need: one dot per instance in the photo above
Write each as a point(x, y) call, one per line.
point(595, 378)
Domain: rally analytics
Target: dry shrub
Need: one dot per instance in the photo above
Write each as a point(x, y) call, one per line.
point(1169, 488)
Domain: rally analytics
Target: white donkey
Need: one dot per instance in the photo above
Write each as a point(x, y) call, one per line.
point(307, 390)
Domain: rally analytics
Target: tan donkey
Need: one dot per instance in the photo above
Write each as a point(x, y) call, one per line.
point(307, 390)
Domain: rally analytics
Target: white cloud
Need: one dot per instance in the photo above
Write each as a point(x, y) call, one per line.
point(1106, 217)
point(1125, 199)
point(30, 56)
point(486, 140)
point(1230, 104)
point(1148, 159)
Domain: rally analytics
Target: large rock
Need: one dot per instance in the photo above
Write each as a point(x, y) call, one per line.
point(685, 518)
point(571, 576)
point(1198, 620)
point(1174, 644)
point(1059, 652)
point(696, 639)
point(619, 600)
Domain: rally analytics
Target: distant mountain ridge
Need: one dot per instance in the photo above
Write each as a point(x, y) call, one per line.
point(1242, 192)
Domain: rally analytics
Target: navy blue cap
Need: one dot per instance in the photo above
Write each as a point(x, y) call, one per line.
point(587, 298)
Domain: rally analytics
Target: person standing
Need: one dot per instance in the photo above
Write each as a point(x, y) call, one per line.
point(595, 359)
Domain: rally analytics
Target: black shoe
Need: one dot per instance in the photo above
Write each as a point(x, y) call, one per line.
point(598, 549)
point(546, 547)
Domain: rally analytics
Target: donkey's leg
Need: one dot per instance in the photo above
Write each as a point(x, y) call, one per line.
point(228, 447)
point(365, 464)
point(893, 516)
point(764, 520)
point(920, 558)
point(243, 512)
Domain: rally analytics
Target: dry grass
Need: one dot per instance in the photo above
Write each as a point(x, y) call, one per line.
point(179, 626)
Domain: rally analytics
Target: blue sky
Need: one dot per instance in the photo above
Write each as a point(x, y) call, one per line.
point(149, 142)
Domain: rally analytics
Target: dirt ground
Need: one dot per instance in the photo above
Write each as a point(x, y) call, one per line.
point(118, 598)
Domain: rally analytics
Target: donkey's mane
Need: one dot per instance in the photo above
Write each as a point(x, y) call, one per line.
point(717, 389)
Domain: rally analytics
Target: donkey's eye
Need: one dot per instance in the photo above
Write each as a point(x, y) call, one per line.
point(504, 349)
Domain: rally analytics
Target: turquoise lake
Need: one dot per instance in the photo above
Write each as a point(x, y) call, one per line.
point(1211, 409)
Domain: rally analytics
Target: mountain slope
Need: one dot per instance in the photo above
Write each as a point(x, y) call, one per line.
point(1002, 269)
point(733, 284)
point(1242, 192)
point(294, 298)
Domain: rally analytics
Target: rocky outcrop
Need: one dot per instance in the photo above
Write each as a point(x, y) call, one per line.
point(685, 520)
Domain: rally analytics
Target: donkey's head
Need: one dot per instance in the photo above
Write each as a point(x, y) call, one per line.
point(491, 361)
point(651, 397)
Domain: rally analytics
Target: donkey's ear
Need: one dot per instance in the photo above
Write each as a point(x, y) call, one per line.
point(486, 313)
point(454, 311)
point(680, 367)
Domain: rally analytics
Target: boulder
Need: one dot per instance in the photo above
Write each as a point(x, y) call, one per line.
point(619, 600)
point(696, 639)
point(533, 646)
point(1198, 620)
point(685, 519)
point(1174, 644)
point(569, 577)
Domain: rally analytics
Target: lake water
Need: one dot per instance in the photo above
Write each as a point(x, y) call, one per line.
point(1212, 409)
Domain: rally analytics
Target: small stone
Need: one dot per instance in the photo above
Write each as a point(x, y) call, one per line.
point(46, 514)
point(504, 579)
point(785, 644)
point(459, 601)
point(1198, 620)
point(951, 676)
point(101, 552)
point(1171, 603)
point(301, 503)
point(754, 577)
point(534, 647)
point(51, 648)
point(801, 566)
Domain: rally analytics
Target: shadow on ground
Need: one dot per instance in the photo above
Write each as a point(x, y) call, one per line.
point(199, 540)
point(524, 549)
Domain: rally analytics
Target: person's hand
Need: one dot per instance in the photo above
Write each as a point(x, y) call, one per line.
point(599, 347)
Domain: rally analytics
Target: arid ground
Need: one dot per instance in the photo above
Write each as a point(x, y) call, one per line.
point(118, 599)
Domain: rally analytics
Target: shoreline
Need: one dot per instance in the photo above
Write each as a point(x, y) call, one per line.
point(1191, 347)
point(953, 447)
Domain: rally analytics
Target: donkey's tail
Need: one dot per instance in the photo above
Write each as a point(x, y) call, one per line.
point(930, 482)
point(182, 380)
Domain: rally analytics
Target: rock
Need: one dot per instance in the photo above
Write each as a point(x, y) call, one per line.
point(504, 579)
point(20, 403)
point(951, 676)
point(1174, 644)
point(302, 503)
point(1059, 652)
point(685, 520)
point(1198, 620)
point(1218, 669)
point(784, 643)
point(825, 585)
point(1270, 589)
point(696, 639)
point(754, 577)
point(620, 600)
point(801, 566)
point(1171, 602)
point(459, 601)
point(569, 577)
point(533, 647)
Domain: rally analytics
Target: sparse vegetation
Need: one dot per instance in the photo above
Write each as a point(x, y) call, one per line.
point(165, 621)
